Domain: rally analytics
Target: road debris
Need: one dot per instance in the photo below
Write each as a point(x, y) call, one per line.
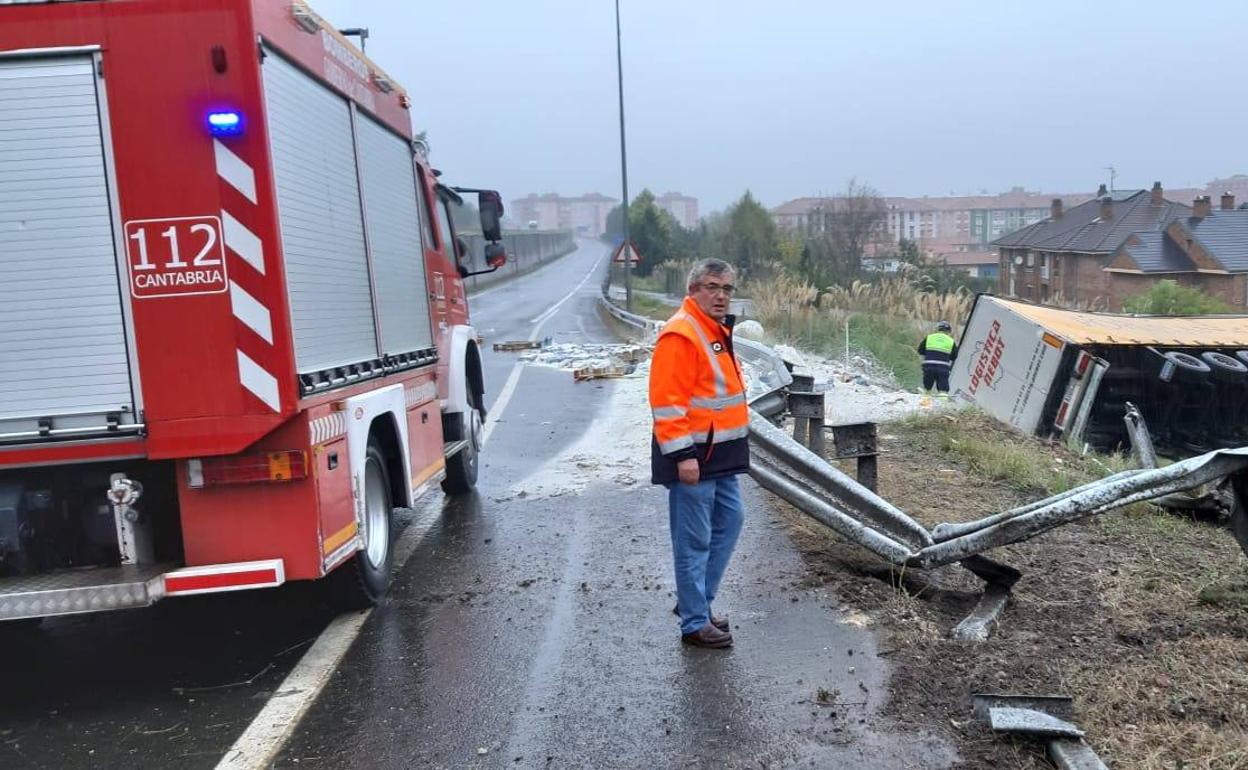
point(509, 347)
point(602, 372)
point(1045, 717)
point(576, 356)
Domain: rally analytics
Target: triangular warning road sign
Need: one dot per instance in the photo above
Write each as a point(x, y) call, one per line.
point(629, 248)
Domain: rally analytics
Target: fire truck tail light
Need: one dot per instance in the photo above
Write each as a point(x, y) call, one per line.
point(287, 465)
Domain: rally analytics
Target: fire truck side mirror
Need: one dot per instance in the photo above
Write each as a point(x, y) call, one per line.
point(490, 204)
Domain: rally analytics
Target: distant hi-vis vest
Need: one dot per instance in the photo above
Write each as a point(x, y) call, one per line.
point(938, 349)
point(697, 396)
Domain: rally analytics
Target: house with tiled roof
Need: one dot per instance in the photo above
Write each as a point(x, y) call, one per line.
point(1208, 250)
point(1066, 258)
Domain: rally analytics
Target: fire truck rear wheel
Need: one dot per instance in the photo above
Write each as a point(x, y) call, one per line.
point(362, 581)
point(461, 468)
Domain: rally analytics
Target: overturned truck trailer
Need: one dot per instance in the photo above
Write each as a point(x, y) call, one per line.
point(1070, 374)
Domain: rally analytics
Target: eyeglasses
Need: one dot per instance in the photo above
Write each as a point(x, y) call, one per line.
point(726, 289)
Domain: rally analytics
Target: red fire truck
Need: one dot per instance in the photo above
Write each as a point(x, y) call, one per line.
point(233, 333)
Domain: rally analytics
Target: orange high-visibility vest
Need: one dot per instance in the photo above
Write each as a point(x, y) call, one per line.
point(697, 397)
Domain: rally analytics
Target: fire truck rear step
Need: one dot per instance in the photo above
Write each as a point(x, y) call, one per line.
point(451, 448)
point(90, 589)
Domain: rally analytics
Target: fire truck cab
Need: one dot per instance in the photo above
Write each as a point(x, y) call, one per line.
point(235, 333)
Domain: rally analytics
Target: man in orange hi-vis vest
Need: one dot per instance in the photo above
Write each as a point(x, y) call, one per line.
point(699, 445)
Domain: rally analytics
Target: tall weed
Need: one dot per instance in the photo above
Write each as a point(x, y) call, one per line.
point(884, 320)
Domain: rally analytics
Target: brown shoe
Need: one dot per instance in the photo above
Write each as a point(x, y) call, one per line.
point(720, 623)
point(708, 636)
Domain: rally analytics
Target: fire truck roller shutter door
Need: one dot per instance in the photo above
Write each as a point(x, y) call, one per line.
point(62, 331)
point(389, 182)
point(322, 226)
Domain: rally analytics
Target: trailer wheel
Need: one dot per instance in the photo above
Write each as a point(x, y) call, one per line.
point(461, 468)
point(363, 580)
point(1186, 368)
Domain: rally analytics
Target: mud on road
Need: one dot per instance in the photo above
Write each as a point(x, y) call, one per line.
point(1141, 615)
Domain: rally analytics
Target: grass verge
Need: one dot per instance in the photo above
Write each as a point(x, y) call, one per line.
point(1141, 615)
point(891, 341)
point(650, 307)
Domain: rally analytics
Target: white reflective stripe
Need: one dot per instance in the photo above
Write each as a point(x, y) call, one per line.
point(721, 386)
point(233, 170)
point(676, 317)
point(721, 436)
point(675, 445)
point(732, 434)
point(251, 312)
point(668, 412)
point(255, 379)
point(242, 241)
point(718, 404)
point(945, 364)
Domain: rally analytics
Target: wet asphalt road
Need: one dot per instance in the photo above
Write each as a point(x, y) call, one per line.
point(536, 631)
point(522, 632)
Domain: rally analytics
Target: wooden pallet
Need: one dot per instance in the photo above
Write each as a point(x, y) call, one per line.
point(602, 373)
point(521, 345)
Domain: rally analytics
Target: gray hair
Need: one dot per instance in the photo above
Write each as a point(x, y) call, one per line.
point(705, 267)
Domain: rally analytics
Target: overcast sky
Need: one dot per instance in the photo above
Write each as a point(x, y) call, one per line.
point(792, 98)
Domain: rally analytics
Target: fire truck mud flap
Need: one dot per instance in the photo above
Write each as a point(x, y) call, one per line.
point(384, 406)
point(458, 398)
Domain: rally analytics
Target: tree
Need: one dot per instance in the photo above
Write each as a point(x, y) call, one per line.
point(908, 252)
point(841, 231)
point(939, 278)
point(750, 240)
point(1167, 297)
point(789, 249)
point(711, 232)
point(655, 232)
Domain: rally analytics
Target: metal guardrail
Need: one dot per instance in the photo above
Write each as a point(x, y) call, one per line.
point(526, 251)
point(803, 478)
point(647, 327)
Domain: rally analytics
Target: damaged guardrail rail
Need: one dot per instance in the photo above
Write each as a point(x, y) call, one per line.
point(794, 473)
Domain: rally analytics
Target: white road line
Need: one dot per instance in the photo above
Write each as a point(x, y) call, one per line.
point(269, 730)
point(509, 387)
point(264, 737)
point(541, 319)
point(500, 403)
point(260, 743)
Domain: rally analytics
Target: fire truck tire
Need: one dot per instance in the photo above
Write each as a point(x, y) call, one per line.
point(363, 580)
point(461, 468)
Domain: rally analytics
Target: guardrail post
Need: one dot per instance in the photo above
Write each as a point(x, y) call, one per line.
point(858, 440)
point(807, 410)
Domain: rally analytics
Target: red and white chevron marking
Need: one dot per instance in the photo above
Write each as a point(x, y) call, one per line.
point(419, 394)
point(244, 244)
point(328, 427)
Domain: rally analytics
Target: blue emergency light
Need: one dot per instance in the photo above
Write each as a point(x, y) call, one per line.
point(225, 123)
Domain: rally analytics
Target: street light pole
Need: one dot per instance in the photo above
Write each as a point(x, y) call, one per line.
point(619, 68)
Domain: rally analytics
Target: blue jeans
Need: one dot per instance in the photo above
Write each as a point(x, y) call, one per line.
point(705, 520)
